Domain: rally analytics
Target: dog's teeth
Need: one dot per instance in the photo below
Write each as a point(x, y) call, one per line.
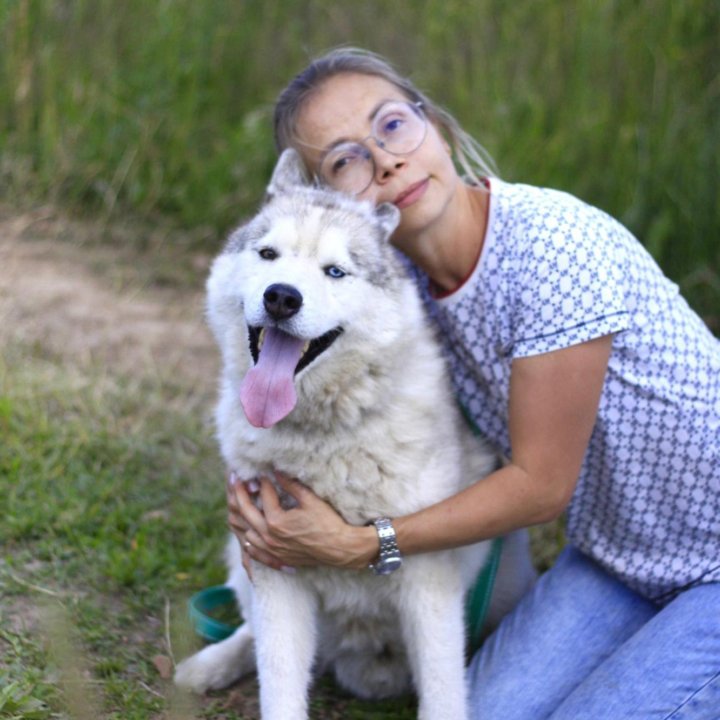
point(306, 347)
point(261, 339)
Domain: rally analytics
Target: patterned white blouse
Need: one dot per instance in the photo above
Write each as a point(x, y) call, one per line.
point(554, 272)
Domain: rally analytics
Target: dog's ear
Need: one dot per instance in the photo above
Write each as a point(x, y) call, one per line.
point(388, 217)
point(289, 172)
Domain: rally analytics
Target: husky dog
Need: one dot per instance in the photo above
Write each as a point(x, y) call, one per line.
point(331, 375)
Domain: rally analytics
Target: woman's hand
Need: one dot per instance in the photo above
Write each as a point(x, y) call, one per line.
point(310, 534)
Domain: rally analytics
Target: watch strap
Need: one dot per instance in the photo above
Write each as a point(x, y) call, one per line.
point(389, 558)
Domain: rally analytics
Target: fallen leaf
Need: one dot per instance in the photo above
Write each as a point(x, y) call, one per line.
point(163, 664)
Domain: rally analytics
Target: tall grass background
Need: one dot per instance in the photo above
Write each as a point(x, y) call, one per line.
point(164, 106)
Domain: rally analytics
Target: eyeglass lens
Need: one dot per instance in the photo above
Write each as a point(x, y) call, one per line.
point(398, 128)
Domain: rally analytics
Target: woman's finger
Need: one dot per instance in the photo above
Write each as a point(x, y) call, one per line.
point(241, 503)
point(236, 521)
point(269, 497)
point(253, 548)
point(232, 483)
point(246, 560)
point(292, 486)
point(237, 524)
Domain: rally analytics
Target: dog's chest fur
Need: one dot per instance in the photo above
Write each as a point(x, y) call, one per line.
point(372, 467)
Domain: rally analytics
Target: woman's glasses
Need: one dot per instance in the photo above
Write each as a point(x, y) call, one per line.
point(398, 128)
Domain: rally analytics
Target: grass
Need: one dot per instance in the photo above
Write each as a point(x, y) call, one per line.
point(92, 473)
point(108, 509)
point(164, 107)
point(25, 693)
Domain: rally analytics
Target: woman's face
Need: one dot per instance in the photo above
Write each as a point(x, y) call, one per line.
point(420, 183)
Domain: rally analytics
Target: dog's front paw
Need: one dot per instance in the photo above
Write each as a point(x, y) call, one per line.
point(203, 671)
point(193, 674)
point(219, 665)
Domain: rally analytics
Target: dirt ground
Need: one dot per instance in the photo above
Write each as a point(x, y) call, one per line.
point(84, 304)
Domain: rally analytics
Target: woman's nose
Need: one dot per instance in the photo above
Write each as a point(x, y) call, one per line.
point(386, 164)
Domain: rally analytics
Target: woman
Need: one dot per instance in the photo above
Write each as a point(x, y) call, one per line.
point(578, 358)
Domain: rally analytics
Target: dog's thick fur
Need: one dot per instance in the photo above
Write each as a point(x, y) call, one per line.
point(374, 430)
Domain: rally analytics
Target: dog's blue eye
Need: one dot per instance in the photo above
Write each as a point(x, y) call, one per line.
point(334, 271)
point(268, 254)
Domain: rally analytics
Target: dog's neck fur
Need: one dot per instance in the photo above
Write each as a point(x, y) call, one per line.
point(347, 403)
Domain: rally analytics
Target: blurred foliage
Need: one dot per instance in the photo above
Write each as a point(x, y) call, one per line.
point(163, 106)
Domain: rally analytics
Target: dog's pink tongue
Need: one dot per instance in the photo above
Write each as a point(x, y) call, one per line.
point(267, 393)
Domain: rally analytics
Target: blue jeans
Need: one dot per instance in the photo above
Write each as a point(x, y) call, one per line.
point(582, 646)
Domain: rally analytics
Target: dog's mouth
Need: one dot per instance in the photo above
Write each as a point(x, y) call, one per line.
point(310, 350)
point(267, 392)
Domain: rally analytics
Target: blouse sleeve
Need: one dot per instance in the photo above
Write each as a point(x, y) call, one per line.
point(572, 281)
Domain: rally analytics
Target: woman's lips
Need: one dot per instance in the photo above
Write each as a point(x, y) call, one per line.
point(411, 195)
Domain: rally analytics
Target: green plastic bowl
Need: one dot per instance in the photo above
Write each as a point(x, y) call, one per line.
point(201, 606)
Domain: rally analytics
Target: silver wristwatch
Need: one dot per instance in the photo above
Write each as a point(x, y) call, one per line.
point(390, 558)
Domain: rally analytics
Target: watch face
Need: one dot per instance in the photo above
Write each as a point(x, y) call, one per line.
point(387, 565)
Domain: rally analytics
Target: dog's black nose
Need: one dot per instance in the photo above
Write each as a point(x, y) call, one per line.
point(282, 301)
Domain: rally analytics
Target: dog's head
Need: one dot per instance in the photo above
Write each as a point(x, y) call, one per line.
point(310, 277)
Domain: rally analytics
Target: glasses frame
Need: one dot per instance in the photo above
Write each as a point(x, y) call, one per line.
point(416, 107)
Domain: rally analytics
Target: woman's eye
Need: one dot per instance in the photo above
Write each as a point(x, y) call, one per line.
point(335, 272)
point(391, 124)
point(340, 164)
point(268, 254)
point(344, 160)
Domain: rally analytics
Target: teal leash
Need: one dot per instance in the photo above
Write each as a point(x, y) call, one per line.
point(478, 599)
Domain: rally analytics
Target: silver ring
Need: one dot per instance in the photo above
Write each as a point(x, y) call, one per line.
point(247, 544)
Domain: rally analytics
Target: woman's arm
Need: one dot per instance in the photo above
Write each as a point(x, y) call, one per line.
point(552, 409)
point(553, 405)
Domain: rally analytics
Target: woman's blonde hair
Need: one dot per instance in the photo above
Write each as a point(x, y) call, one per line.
point(474, 160)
